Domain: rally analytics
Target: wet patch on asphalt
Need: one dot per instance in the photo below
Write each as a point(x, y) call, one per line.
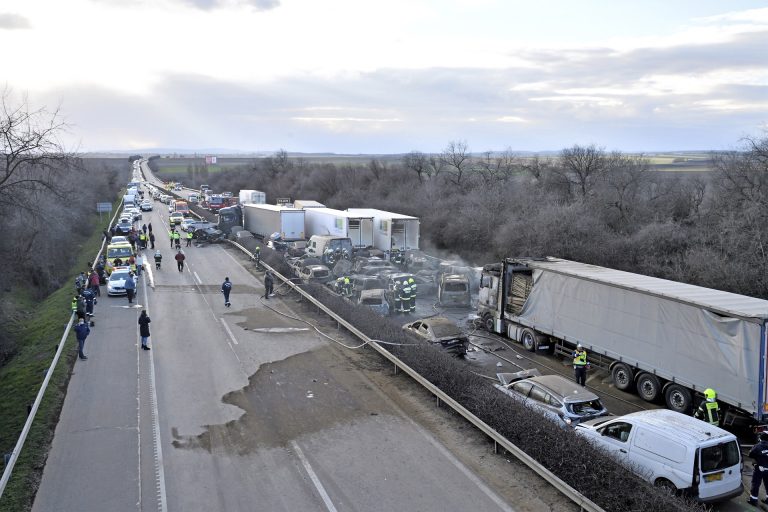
point(285, 400)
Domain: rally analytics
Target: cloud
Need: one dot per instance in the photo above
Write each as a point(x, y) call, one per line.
point(259, 5)
point(12, 21)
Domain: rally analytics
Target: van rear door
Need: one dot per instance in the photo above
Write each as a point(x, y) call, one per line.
point(719, 469)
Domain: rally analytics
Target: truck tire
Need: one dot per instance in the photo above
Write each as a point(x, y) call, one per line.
point(678, 398)
point(648, 387)
point(528, 339)
point(488, 323)
point(623, 376)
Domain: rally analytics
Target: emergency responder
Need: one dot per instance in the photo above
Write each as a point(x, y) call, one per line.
point(142, 240)
point(709, 409)
point(78, 306)
point(90, 298)
point(257, 255)
point(412, 303)
point(405, 296)
point(170, 236)
point(190, 235)
point(759, 453)
point(177, 238)
point(347, 287)
point(580, 365)
point(397, 295)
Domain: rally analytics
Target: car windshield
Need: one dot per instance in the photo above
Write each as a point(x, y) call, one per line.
point(118, 252)
point(320, 273)
point(445, 330)
point(118, 276)
point(584, 408)
point(372, 301)
point(720, 456)
point(456, 287)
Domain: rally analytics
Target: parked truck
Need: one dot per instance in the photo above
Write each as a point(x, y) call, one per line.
point(667, 340)
point(263, 220)
point(327, 221)
point(393, 233)
point(252, 197)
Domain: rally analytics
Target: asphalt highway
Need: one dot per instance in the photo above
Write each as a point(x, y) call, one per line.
point(235, 408)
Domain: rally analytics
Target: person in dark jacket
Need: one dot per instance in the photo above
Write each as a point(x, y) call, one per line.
point(759, 453)
point(81, 332)
point(226, 288)
point(151, 240)
point(130, 287)
point(144, 329)
point(90, 298)
point(269, 282)
point(180, 260)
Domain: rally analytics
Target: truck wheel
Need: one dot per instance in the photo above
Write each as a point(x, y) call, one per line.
point(528, 339)
point(678, 398)
point(648, 387)
point(623, 376)
point(488, 323)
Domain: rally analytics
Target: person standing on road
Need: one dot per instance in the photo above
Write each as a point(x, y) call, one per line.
point(90, 298)
point(144, 329)
point(139, 265)
point(177, 238)
point(269, 282)
point(144, 229)
point(170, 235)
point(180, 260)
point(93, 282)
point(130, 287)
point(709, 409)
point(152, 240)
point(580, 365)
point(81, 332)
point(189, 238)
point(226, 288)
point(149, 227)
point(78, 306)
point(759, 453)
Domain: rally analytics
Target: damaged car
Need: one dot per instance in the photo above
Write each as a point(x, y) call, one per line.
point(441, 331)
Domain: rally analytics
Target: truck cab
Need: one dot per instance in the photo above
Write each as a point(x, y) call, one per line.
point(329, 248)
point(229, 218)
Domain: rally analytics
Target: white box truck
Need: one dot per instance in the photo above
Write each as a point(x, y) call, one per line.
point(391, 231)
point(327, 221)
point(265, 219)
point(252, 197)
point(669, 341)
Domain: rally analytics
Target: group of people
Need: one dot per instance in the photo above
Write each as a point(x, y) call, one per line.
point(405, 296)
point(175, 238)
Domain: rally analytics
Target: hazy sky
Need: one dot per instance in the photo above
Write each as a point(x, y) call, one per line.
point(357, 76)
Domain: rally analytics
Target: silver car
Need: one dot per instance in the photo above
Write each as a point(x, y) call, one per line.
point(558, 398)
point(116, 282)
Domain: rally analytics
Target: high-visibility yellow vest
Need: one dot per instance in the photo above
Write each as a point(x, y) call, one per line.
point(580, 359)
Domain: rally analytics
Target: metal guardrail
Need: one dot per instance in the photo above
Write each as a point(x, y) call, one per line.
point(41, 392)
point(575, 496)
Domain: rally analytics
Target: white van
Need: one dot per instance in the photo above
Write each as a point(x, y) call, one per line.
point(671, 449)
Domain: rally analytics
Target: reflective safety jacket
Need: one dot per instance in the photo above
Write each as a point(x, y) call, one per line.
point(709, 412)
point(580, 358)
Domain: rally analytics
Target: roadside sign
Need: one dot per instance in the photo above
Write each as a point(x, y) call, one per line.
point(283, 201)
point(103, 207)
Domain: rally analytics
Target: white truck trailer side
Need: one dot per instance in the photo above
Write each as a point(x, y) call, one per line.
point(252, 197)
point(327, 221)
point(264, 219)
point(307, 203)
point(391, 231)
point(667, 340)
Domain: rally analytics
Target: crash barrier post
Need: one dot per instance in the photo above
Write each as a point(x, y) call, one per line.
point(14, 455)
point(575, 496)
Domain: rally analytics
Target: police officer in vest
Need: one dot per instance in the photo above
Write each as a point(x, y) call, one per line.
point(709, 410)
point(580, 365)
point(759, 454)
point(190, 235)
point(347, 287)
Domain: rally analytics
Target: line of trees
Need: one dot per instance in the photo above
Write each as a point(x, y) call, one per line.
point(585, 203)
point(48, 202)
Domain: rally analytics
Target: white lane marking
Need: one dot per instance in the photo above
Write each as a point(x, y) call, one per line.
point(229, 331)
point(162, 504)
point(197, 277)
point(316, 481)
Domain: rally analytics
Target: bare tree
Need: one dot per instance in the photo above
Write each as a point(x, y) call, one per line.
point(743, 175)
point(33, 155)
point(417, 162)
point(456, 158)
point(497, 168)
point(377, 168)
point(582, 166)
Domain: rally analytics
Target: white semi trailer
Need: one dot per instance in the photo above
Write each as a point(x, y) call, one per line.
point(327, 221)
point(392, 232)
point(667, 340)
point(265, 219)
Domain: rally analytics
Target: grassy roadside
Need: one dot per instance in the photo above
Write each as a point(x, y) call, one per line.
point(38, 332)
